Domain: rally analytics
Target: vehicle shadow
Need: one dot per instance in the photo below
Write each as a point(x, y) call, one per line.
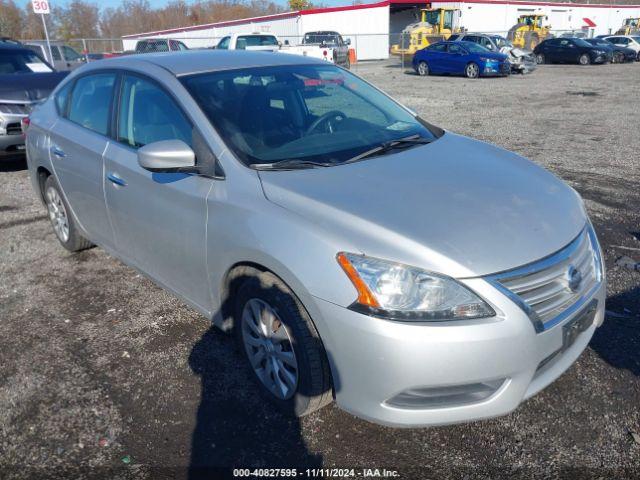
point(13, 164)
point(617, 341)
point(236, 426)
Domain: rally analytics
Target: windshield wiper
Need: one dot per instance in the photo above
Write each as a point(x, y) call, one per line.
point(290, 164)
point(386, 147)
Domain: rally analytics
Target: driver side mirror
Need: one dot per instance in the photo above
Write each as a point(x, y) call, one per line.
point(347, 41)
point(167, 156)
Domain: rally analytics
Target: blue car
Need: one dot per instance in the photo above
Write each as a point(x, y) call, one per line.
point(460, 58)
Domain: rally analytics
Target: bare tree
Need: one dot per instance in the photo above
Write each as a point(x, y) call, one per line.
point(10, 19)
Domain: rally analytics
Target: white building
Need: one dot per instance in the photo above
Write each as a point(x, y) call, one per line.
point(372, 28)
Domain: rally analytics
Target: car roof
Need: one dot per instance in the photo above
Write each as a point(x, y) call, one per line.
point(8, 46)
point(202, 61)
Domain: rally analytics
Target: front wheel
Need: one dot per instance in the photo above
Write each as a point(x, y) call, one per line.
point(423, 69)
point(584, 59)
point(64, 226)
point(282, 345)
point(618, 57)
point(472, 70)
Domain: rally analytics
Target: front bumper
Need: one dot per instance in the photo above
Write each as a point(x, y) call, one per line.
point(496, 68)
point(412, 374)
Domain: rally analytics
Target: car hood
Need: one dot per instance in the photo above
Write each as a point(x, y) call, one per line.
point(29, 87)
point(456, 206)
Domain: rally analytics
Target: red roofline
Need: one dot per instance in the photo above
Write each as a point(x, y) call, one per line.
point(544, 4)
point(384, 3)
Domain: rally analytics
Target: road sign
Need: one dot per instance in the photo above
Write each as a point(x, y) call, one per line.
point(41, 6)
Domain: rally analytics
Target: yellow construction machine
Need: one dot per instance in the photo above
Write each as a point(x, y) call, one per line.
point(435, 25)
point(631, 26)
point(529, 31)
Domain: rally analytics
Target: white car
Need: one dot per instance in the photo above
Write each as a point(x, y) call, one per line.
point(627, 41)
point(249, 41)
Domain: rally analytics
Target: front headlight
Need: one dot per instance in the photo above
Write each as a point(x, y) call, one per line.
point(401, 292)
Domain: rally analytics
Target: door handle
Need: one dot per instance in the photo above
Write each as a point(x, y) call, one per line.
point(113, 178)
point(58, 152)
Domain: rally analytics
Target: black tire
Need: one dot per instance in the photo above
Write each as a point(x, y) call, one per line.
point(584, 59)
point(422, 68)
point(314, 387)
point(347, 64)
point(540, 59)
point(638, 57)
point(472, 70)
point(618, 57)
point(73, 241)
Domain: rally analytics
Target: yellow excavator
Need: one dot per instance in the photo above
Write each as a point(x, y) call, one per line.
point(435, 25)
point(529, 31)
point(630, 26)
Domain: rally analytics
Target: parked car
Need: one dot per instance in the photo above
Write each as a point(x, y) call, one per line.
point(25, 80)
point(571, 50)
point(618, 54)
point(325, 45)
point(356, 250)
point(626, 41)
point(64, 57)
point(522, 61)
point(460, 58)
point(155, 45)
point(249, 41)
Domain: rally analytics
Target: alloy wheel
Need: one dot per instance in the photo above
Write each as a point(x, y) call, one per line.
point(58, 214)
point(473, 71)
point(584, 59)
point(269, 347)
point(540, 58)
point(423, 69)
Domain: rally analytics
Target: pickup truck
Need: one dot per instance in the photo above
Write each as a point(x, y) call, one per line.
point(249, 41)
point(327, 45)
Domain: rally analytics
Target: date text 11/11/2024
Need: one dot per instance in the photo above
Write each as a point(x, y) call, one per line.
point(316, 473)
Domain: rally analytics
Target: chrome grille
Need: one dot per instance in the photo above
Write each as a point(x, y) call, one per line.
point(14, 108)
point(551, 288)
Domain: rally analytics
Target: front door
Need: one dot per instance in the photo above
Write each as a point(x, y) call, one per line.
point(159, 218)
point(77, 141)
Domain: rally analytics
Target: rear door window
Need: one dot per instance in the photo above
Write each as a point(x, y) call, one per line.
point(91, 102)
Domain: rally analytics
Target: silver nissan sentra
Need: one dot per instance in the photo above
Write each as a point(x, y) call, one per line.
point(358, 252)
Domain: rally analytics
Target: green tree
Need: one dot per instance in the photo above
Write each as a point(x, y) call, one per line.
point(300, 4)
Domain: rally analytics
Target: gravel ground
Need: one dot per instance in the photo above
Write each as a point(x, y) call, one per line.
point(102, 374)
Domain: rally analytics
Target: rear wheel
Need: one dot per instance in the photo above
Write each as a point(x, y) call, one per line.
point(423, 69)
point(282, 345)
point(64, 226)
point(540, 59)
point(472, 70)
point(584, 59)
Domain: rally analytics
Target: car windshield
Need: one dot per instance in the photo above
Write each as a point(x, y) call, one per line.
point(581, 43)
point(313, 113)
point(637, 39)
point(501, 41)
point(475, 48)
point(318, 38)
point(21, 61)
point(258, 40)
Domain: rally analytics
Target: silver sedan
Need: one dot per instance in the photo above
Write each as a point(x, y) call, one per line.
point(358, 252)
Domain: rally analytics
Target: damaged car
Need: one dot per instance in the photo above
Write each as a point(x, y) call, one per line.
point(25, 80)
point(522, 61)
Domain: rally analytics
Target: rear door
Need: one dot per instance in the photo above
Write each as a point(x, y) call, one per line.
point(159, 218)
point(77, 142)
point(435, 56)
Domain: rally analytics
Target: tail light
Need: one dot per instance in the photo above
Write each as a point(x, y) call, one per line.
point(325, 53)
point(24, 123)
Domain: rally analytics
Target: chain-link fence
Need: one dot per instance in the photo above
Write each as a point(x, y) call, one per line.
point(349, 50)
